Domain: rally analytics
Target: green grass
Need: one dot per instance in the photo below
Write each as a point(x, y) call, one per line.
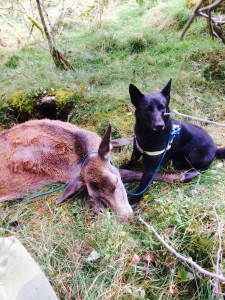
point(139, 45)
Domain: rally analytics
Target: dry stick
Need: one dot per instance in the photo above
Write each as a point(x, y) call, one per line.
point(210, 23)
point(213, 20)
point(215, 282)
point(57, 56)
point(194, 118)
point(199, 11)
point(211, 6)
point(216, 21)
point(49, 23)
point(181, 257)
point(193, 15)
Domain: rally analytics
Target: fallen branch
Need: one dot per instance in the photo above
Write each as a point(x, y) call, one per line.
point(213, 23)
point(217, 21)
point(195, 118)
point(215, 282)
point(181, 257)
point(211, 6)
point(193, 15)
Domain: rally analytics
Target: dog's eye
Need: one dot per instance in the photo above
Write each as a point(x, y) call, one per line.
point(150, 108)
point(161, 107)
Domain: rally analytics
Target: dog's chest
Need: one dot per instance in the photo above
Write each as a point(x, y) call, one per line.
point(149, 142)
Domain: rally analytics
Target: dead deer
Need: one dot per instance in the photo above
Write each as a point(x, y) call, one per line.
point(43, 152)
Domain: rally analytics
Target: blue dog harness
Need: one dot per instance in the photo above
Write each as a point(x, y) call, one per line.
point(174, 132)
point(175, 129)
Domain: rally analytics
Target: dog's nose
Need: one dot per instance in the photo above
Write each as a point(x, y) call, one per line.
point(159, 127)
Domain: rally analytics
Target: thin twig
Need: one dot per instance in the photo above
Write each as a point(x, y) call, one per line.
point(211, 6)
point(49, 23)
point(216, 21)
point(195, 118)
point(181, 257)
point(198, 11)
point(210, 23)
point(215, 282)
point(193, 15)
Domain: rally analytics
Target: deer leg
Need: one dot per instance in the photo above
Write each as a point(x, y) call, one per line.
point(121, 142)
point(128, 175)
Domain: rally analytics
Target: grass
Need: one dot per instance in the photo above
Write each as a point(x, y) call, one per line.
point(139, 45)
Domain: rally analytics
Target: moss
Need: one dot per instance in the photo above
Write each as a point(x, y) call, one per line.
point(63, 99)
point(21, 105)
point(67, 101)
point(24, 106)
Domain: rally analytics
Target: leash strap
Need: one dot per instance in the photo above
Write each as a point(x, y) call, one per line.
point(174, 132)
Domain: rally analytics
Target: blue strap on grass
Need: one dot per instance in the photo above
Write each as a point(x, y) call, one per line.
point(174, 132)
point(54, 190)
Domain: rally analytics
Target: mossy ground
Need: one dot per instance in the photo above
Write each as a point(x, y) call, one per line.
point(137, 45)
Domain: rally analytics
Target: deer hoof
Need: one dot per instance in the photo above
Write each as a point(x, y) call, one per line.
point(189, 175)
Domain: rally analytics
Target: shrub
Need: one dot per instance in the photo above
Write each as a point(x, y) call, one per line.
point(12, 62)
point(137, 44)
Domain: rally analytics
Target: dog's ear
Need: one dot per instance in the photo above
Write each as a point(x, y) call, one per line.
point(166, 90)
point(135, 94)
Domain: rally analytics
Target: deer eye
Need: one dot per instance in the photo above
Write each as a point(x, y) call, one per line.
point(95, 185)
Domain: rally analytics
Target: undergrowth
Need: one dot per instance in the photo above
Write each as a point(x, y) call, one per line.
point(137, 45)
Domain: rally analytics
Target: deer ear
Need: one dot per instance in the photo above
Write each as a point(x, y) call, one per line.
point(135, 94)
point(104, 148)
point(72, 187)
point(166, 90)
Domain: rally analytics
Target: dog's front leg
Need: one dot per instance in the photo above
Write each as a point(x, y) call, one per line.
point(150, 165)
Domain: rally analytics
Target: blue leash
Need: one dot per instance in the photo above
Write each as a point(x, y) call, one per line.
point(174, 132)
point(56, 189)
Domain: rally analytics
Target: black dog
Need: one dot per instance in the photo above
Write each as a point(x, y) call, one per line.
point(192, 149)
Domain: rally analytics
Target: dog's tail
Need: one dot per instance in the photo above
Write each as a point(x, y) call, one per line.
point(220, 153)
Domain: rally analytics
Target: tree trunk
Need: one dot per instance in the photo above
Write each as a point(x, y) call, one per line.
point(59, 59)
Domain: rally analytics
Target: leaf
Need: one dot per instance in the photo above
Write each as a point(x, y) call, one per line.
point(140, 2)
point(182, 273)
point(94, 255)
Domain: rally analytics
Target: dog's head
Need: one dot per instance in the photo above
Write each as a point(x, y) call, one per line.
point(151, 108)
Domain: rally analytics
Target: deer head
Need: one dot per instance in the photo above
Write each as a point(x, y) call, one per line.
point(102, 179)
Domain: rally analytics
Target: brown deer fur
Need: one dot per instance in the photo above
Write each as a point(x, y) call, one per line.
point(42, 152)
